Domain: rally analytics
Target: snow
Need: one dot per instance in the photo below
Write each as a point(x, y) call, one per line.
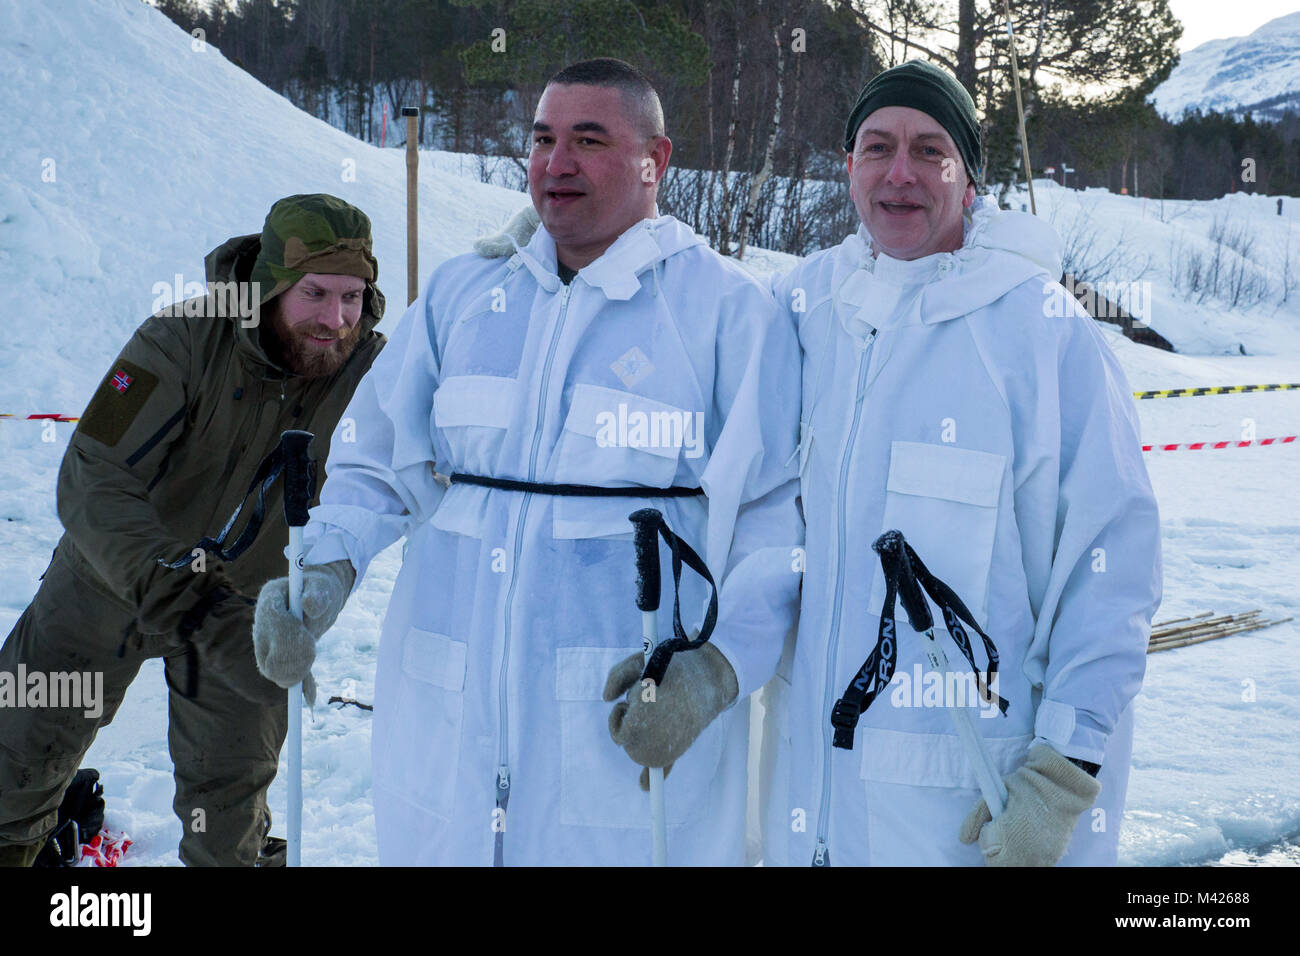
point(161, 152)
point(1237, 73)
point(1146, 245)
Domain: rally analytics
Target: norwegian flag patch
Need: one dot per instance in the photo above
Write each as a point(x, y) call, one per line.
point(121, 395)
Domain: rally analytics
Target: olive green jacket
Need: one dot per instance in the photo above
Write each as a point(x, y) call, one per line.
point(172, 438)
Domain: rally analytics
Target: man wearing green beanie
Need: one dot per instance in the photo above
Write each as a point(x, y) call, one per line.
point(954, 391)
point(163, 455)
point(921, 107)
point(926, 88)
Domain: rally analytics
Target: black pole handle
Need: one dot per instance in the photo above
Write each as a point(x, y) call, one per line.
point(299, 476)
point(645, 537)
point(890, 548)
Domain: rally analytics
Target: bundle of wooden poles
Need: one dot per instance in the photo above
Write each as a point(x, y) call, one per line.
point(1182, 631)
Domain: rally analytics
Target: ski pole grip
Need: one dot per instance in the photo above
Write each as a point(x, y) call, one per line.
point(909, 593)
point(298, 476)
point(645, 538)
point(891, 547)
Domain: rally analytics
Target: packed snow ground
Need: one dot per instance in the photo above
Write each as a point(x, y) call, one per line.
point(161, 152)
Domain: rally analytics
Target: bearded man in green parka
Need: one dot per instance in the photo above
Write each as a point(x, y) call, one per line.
point(163, 455)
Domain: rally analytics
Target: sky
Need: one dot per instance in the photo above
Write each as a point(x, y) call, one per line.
point(1205, 20)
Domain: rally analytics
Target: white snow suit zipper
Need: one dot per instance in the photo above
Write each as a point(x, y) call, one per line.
point(821, 855)
point(501, 781)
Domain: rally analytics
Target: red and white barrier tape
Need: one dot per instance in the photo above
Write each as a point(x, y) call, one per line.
point(1180, 446)
point(1198, 445)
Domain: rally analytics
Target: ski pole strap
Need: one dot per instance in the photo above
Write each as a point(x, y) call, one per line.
point(878, 669)
point(267, 473)
point(574, 491)
point(682, 553)
point(954, 613)
point(902, 566)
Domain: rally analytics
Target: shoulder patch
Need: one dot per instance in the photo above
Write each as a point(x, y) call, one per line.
point(117, 402)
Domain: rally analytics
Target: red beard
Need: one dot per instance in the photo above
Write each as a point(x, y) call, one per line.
point(307, 359)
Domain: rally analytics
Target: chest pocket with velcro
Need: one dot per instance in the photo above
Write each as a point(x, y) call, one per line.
point(619, 439)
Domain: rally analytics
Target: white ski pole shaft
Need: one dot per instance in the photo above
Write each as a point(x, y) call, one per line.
point(658, 820)
point(294, 848)
point(295, 447)
point(990, 781)
point(922, 621)
point(645, 539)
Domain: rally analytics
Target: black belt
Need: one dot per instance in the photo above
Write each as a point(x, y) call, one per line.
point(574, 491)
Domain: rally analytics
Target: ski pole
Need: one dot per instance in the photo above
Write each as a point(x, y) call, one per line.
point(646, 540)
point(297, 493)
point(918, 613)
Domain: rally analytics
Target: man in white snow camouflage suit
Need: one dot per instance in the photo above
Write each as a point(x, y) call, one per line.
point(513, 623)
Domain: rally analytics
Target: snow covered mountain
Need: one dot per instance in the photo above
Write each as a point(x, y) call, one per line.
point(1257, 74)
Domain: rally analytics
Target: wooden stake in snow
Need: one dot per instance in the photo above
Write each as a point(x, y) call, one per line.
point(1020, 110)
point(412, 114)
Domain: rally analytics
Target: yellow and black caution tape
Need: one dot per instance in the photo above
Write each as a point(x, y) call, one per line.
point(1215, 390)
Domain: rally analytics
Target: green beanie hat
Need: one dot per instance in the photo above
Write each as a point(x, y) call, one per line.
point(313, 233)
point(935, 92)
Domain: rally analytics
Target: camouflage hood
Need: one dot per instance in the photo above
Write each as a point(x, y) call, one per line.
point(303, 234)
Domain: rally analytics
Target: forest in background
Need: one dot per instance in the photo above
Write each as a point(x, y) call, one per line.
point(756, 92)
